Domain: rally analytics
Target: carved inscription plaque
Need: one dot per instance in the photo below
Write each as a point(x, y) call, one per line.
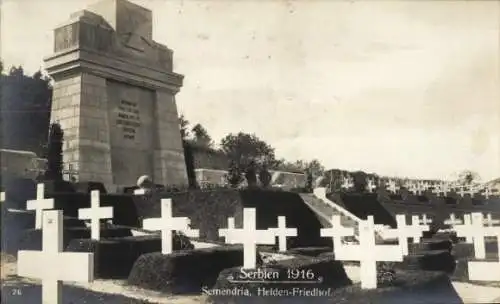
point(128, 119)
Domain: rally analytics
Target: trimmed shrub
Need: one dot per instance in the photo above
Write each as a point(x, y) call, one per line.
point(31, 239)
point(209, 210)
point(409, 286)
point(87, 187)
point(114, 257)
point(326, 271)
point(310, 251)
point(426, 245)
point(17, 192)
point(431, 261)
point(185, 271)
point(57, 186)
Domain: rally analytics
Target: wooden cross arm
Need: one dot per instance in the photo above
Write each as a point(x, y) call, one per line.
point(64, 266)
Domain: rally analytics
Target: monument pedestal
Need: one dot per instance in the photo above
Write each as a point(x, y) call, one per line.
point(114, 97)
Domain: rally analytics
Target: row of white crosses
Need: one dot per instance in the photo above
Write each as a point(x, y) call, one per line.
point(473, 228)
point(166, 224)
point(95, 213)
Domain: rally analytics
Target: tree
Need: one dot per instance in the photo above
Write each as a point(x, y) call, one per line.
point(251, 174)
point(54, 153)
point(234, 175)
point(16, 72)
point(315, 168)
point(243, 148)
point(309, 181)
point(184, 123)
point(201, 137)
point(265, 177)
point(37, 75)
point(468, 177)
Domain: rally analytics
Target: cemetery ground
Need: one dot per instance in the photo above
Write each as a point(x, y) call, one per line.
point(415, 283)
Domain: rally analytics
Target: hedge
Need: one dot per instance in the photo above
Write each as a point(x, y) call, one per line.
point(114, 257)
point(209, 210)
point(87, 187)
point(310, 251)
point(31, 239)
point(410, 286)
point(326, 271)
point(439, 260)
point(185, 271)
point(425, 245)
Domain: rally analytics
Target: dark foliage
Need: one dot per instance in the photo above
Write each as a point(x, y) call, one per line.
point(265, 177)
point(310, 251)
point(115, 257)
point(31, 239)
point(184, 271)
point(24, 99)
point(190, 166)
point(234, 175)
point(309, 182)
point(432, 260)
point(87, 187)
point(54, 153)
point(400, 285)
point(251, 175)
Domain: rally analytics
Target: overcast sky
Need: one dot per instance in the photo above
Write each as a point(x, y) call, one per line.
point(408, 88)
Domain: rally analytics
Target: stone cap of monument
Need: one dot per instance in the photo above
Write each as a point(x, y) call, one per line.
point(115, 35)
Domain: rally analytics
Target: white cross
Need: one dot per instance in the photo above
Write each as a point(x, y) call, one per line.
point(166, 224)
point(487, 192)
point(418, 229)
point(39, 204)
point(249, 236)
point(336, 232)
point(403, 232)
point(437, 189)
point(414, 189)
point(490, 221)
point(444, 188)
point(471, 191)
point(392, 186)
point(347, 182)
point(467, 223)
point(461, 192)
point(370, 185)
point(425, 220)
point(368, 253)
point(95, 213)
point(486, 270)
point(224, 232)
point(473, 227)
point(52, 265)
point(282, 232)
point(452, 221)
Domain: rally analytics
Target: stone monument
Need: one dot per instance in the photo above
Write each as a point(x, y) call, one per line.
point(114, 96)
